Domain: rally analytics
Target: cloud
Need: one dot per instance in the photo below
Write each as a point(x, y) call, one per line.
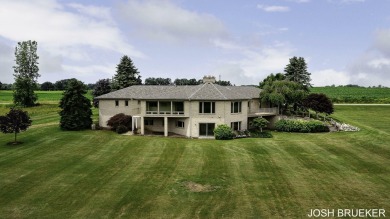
point(373, 66)
point(252, 65)
point(59, 29)
point(6, 63)
point(163, 20)
point(330, 76)
point(273, 8)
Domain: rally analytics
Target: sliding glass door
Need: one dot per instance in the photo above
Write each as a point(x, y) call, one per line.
point(206, 129)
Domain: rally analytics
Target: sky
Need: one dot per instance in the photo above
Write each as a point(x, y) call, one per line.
point(342, 41)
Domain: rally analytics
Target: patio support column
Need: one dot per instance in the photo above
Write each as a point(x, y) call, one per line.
point(165, 126)
point(142, 126)
point(132, 123)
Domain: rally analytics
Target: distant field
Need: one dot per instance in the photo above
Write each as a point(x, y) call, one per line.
point(355, 94)
point(100, 174)
point(43, 96)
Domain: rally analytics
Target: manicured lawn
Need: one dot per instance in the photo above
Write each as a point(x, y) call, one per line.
point(99, 174)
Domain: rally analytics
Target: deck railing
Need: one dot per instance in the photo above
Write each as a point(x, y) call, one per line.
point(273, 110)
point(165, 112)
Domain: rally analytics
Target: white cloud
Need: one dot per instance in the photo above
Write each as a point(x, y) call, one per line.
point(273, 8)
point(330, 76)
point(6, 63)
point(60, 30)
point(163, 20)
point(251, 66)
point(373, 67)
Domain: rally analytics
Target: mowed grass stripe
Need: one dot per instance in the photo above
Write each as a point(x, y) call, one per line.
point(99, 174)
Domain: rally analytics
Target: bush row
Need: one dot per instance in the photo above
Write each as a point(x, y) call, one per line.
point(303, 126)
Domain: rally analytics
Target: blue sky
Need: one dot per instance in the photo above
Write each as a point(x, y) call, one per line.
point(343, 41)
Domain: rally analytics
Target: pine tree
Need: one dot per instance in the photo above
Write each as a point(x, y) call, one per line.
point(76, 108)
point(296, 71)
point(126, 74)
point(26, 73)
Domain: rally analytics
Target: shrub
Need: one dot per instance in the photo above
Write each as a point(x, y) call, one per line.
point(120, 119)
point(258, 134)
point(223, 132)
point(301, 126)
point(121, 129)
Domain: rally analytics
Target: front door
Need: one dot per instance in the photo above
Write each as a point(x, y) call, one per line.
point(206, 129)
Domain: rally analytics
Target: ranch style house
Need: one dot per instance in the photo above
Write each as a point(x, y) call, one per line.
point(191, 110)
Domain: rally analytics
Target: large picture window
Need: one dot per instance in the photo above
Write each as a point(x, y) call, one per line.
point(236, 107)
point(206, 107)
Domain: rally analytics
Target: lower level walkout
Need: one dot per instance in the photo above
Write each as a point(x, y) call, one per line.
point(206, 129)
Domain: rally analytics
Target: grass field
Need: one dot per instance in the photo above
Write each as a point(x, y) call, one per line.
point(48, 97)
point(99, 174)
point(355, 94)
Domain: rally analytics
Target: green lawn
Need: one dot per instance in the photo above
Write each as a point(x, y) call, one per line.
point(99, 174)
point(47, 97)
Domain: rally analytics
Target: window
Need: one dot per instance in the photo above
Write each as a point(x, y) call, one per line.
point(206, 129)
point(207, 107)
point(148, 121)
point(235, 126)
point(180, 124)
point(116, 102)
point(151, 107)
point(236, 107)
point(126, 103)
point(178, 107)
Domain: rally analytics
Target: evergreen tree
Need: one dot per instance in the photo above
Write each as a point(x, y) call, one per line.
point(26, 73)
point(75, 107)
point(296, 71)
point(103, 86)
point(126, 74)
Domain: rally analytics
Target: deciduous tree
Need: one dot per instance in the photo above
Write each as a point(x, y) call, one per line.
point(158, 81)
point(272, 77)
point(103, 86)
point(75, 107)
point(15, 121)
point(319, 103)
point(259, 123)
point(26, 73)
point(46, 86)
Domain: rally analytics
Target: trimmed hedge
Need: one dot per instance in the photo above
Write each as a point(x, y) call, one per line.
point(303, 126)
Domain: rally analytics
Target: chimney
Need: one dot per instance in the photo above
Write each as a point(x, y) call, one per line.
point(208, 79)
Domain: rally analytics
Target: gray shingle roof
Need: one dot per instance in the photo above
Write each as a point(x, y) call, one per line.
point(206, 91)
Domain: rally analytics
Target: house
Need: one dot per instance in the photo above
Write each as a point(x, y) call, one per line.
point(191, 111)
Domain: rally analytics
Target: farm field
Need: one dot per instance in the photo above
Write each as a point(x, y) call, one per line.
point(48, 97)
point(100, 174)
point(355, 94)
